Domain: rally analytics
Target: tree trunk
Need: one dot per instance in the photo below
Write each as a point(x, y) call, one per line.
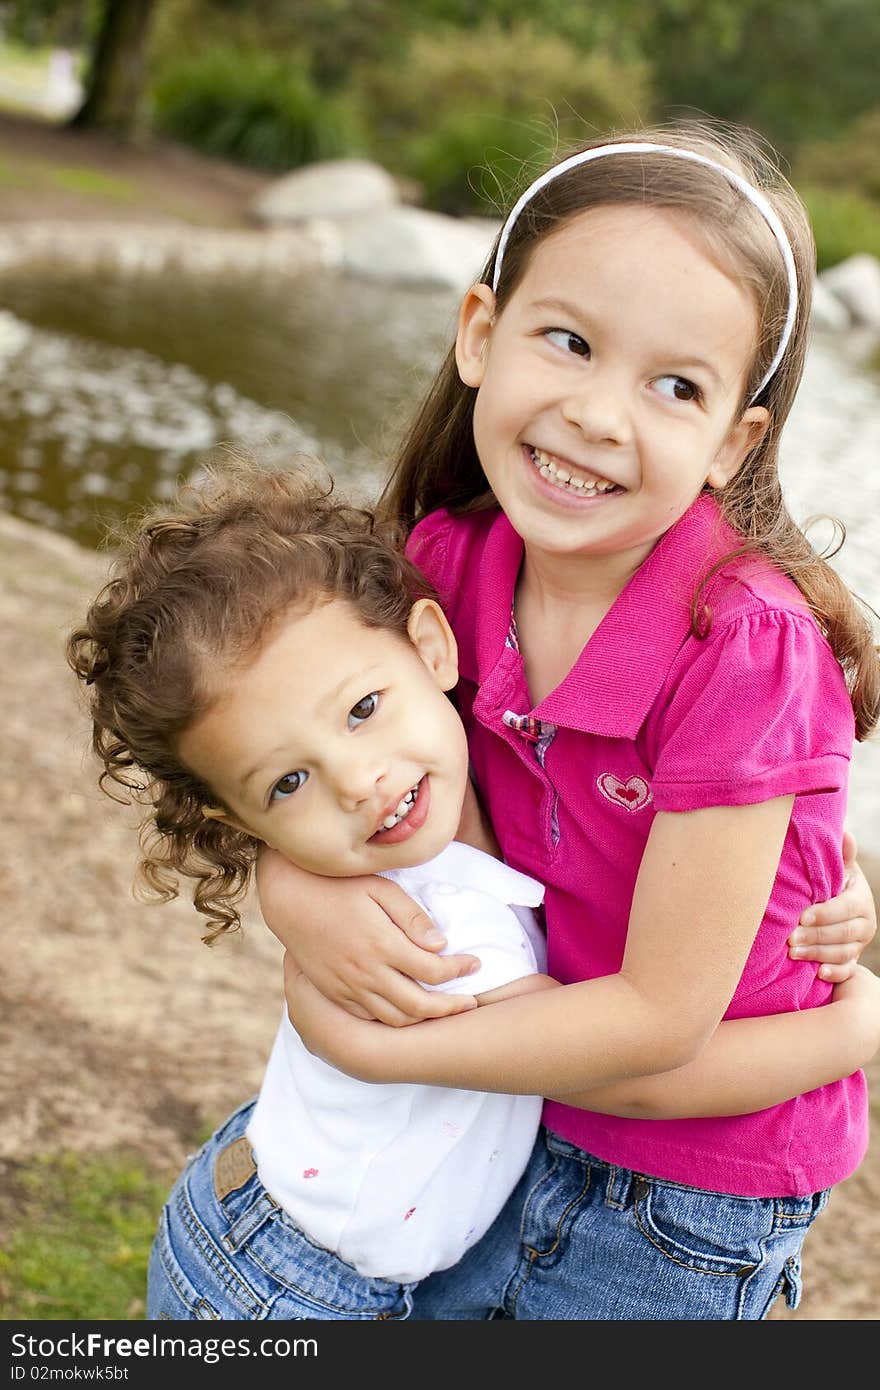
point(117, 71)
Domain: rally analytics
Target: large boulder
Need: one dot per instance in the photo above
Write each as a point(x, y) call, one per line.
point(828, 311)
point(856, 283)
point(415, 247)
point(336, 188)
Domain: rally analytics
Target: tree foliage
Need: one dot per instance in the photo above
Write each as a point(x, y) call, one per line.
point(798, 72)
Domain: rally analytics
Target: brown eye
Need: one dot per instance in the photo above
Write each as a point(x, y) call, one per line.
point(288, 784)
point(569, 342)
point(363, 709)
point(677, 388)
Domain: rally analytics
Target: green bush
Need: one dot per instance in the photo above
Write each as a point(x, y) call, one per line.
point(844, 224)
point(466, 108)
point(851, 162)
point(253, 107)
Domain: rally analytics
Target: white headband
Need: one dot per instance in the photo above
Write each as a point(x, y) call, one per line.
point(752, 194)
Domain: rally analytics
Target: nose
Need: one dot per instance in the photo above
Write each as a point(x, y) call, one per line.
point(597, 406)
point(359, 776)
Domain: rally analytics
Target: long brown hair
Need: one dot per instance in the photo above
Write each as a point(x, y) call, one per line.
point(193, 591)
point(438, 465)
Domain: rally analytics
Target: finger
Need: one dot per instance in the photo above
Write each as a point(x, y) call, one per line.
point(417, 1003)
point(846, 907)
point(380, 1010)
point(836, 974)
point(850, 848)
point(408, 916)
point(835, 933)
point(836, 954)
point(434, 970)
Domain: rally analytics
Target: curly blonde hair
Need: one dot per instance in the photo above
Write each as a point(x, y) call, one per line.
point(194, 588)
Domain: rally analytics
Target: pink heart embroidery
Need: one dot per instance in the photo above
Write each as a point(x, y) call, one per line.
point(409, 1213)
point(310, 1172)
point(634, 793)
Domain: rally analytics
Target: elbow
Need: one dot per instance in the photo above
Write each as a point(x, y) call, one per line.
point(671, 1048)
point(667, 1032)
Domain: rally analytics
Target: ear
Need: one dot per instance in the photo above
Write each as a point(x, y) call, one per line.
point(225, 818)
point(475, 319)
point(432, 638)
point(744, 436)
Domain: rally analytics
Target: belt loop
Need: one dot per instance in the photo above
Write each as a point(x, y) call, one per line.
point(618, 1187)
point(250, 1221)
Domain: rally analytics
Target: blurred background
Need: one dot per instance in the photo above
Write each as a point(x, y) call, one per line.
point(251, 221)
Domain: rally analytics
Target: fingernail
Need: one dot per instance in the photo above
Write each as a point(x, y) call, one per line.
point(795, 937)
point(473, 968)
point(435, 937)
point(797, 951)
point(808, 919)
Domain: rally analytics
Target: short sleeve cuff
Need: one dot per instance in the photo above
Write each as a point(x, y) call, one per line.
point(808, 778)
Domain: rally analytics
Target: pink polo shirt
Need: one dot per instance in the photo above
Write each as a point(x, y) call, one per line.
point(651, 718)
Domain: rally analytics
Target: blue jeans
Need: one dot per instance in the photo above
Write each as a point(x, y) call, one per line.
point(581, 1239)
point(578, 1239)
point(239, 1256)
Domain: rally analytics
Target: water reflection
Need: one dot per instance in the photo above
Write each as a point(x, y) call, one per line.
point(113, 386)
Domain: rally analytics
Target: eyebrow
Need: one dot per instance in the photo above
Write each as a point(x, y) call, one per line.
point(564, 306)
point(326, 699)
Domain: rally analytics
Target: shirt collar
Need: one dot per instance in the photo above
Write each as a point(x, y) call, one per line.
point(620, 671)
point(467, 867)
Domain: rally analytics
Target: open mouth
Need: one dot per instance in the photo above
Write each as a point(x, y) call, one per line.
point(408, 816)
point(568, 477)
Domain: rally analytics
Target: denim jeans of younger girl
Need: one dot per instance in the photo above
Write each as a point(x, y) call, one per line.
point(582, 1239)
point(578, 1239)
point(237, 1255)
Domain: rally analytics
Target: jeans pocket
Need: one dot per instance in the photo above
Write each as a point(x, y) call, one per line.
point(170, 1294)
point(711, 1232)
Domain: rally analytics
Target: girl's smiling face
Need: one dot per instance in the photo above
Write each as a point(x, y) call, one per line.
point(336, 744)
point(609, 387)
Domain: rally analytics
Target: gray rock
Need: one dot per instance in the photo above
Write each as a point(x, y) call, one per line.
point(412, 246)
point(856, 283)
point(336, 188)
point(828, 311)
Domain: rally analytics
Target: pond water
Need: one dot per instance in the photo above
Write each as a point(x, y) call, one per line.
point(114, 386)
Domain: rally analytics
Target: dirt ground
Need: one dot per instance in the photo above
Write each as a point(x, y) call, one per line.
point(119, 1028)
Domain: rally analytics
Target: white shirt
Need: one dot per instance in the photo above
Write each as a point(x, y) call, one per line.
point(400, 1180)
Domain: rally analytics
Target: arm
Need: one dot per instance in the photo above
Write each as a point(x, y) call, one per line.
point(753, 1063)
point(701, 893)
point(748, 1064)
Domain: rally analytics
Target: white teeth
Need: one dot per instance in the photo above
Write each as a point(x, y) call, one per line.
point(404, 806)
point(587, 484)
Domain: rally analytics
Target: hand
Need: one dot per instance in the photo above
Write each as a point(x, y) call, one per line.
point(837, 932)
point(362, 942)
point(326, 1030)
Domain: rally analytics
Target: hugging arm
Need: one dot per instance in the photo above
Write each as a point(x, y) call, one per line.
point(701, 893)
point(364, 943)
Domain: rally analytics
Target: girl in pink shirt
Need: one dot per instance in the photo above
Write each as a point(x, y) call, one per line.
point(661, 681)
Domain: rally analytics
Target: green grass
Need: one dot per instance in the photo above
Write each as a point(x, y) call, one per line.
point(70, 178)
point(91, 182)
point(80, 1245)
